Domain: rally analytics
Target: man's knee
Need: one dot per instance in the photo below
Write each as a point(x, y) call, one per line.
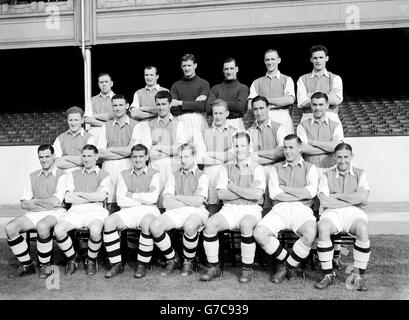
point(324, 229)
point(110, 223)
point(60, 230)
point(310, 233)
point(156, 227)
point(146, 223)
point(12, 229)
point(247, 224)
point(43, 229)
point(190, 227)
point(261, 234)
point(211, 226)
point(361, 231)
point(95, 229)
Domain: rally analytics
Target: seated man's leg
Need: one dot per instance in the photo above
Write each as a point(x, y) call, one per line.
point(361, 253)
point(304, 224)
point(158, 229)
point(65, 243)
point(190, 241)
point(213, 226)
point(112, 243)
point(325, 248)
point(18, 244)
point(248, 246)
point(45, 244)
point(266, 233)
point(94, 245)
point(145, 249)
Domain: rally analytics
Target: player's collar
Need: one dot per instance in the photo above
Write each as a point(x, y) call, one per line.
point(246, 162)
point(337, 173)
point(157, 87)
point(276, 74)
point(110, 95)
point(127, 121)
point(191, 170)
point(326, 120)
point(225, 128)
point(53, 171)
point(81, 132)
point(94, 169)
point(145, 171)
point(300, 163)
point(324, 72)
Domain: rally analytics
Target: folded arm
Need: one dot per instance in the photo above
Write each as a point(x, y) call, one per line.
point(358, 197)
point(170, 202)
point(330, 202)
point(283, 101)
point(194, 201)
point(328, 146)
point(250, 193)
point(299, 193)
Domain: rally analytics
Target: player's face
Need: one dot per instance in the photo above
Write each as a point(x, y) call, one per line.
point(46, 159)
point(271, 61)
point(319, 59)
point(291, 150)
point(89, 158)
point(188, 68)
point(163, 107)
point(219, 116)
point(319, 107)
point(241, 148)
point(151, 78)
point(74, 122)
point(119, 106)
point(343, 158)
point(187, 159)
point(230, 70)
point(260, 111)
point(105, 84)
point(139, 159)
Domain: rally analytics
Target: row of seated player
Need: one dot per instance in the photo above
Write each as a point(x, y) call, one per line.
point(292, 184)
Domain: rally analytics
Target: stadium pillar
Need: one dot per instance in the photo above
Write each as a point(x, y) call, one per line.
point(86, 55)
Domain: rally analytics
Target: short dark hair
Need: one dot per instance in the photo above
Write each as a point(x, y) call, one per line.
point(220, 102)
point(271, 50)
point(319, 95)
point(90, 147)
point(119, 96)
point(75, 109)
point(242, 134)
point(152, 67)
point(44, 147)
point(318, 48)
point(104, 74)
point(259, 98)
point(343, 146)
point(140, 147)
point(230, 59)
point(187, 57)
point(293, 136)
point(163, 94)
point(188, 146)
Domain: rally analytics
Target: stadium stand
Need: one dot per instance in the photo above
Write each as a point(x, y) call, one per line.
point(360, 117)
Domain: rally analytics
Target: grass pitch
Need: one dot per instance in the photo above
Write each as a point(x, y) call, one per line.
point(387, 278)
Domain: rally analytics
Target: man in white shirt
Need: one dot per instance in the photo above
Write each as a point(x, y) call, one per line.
point(143, 106)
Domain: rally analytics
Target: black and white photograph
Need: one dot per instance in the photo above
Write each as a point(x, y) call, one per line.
point(207, 157)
